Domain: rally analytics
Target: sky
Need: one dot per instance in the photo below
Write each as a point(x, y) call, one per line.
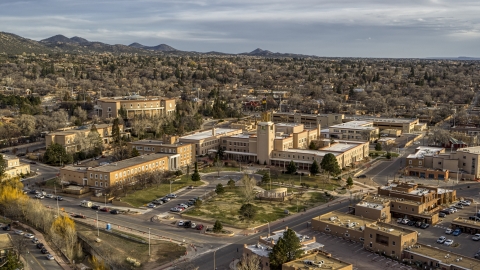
point(333, 28)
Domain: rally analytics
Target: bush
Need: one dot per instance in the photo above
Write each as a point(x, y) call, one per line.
point(248, 211)
point(198, 203)
point(220, 189)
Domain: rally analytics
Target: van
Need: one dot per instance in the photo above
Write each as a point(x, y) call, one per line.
point(86, 204)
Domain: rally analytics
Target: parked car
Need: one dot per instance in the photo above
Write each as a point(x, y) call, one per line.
point(78, 216)
point(165, 199)
point(19, 232)
point(448, 231)
point(39, 196)
point(399, 220)
point(476, 237)
point(405, 221)
point(182, 205)
point(466, 203)
point(40, 245)
point(29, 236)
point(33, 191)
point(457, 232)
point(105, 209)
point(59, 198)
point(448, 242)
point(180, 223)
point(151, 205)
point(157, 202)
point(190, 187)
point(458, 206)
point(35, 240)
point(187, 224)
point(190, 203)
point(44, 251)
point(362, 176)
point(424, 225)
point(446, 211)
point(441, 239)
point(95, 207)
point(33, 162)
point(115, 211)
point(199, 227)
point(418, 224)
point(441, 214)
point(172, 195)
point(411, 223)
point(454, 210)
point(475, 218)
point(193, 226)
point(50, 196)
point(50, 257)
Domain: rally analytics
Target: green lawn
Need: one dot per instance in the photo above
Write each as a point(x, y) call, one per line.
point(313, 181)
point(141, 197)
point(213, 169)
point(225, 208)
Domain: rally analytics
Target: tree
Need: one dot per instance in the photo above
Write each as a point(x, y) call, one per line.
point(293, 245)
point(248, 211)
point(135, 153)
point(196, 174)
point(220, 189)
point(217, 227)
point(349, 182)
point(330, 164)
point(378, 147)
point(312, 146)
point(291, 167)
point(55, 154)
point(231, 183)
point(266, 178)
point(251, 262)
point(220, 152)
point(3, 167)
point(218, 164)
point(198, 203)
point(388, 155)
point(278, 256)
point(26, 123)
point(247, 187)
point(314, 169)
point(81, 114)
point(116, 131)
point(12, 262)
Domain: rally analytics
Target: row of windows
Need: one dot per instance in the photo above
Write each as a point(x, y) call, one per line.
point(99, 176)
point(167, 150)
point(138, 105)
point(139, 169)
point(210, 143)
point(101, 184)
point(239, 143)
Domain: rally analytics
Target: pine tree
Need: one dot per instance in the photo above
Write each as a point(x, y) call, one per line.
point(266, 178)
point(314, 169)
point(196, 174)
point(217, 227)
point(349, 182)
point(378, 147)
point(330, 164)
point(291, 168)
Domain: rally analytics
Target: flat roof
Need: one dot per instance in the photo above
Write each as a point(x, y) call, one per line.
point(9, 157)
point(371, 205)
point(260, 250)
point(439, 255)
point(5, 241)
point(317, 259)
point(390, 229)
point(340, 147)
point(283, 124)
point(307, 151)
point(355, 125)
point(133, 97)
point(158, 142)
point(474, 149)
point(208, 133)
point(128, 162)
point(422, 151)
point(466, 222)
point(382, 119)
point(340, 219)
point(240, 136)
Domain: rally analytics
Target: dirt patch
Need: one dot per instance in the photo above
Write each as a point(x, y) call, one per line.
point(116, 249)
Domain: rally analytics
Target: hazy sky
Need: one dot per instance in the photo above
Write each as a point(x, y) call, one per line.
point(365, 28)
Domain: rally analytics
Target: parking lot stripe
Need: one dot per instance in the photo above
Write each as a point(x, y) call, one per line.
point(358, 249)
point(370, 254)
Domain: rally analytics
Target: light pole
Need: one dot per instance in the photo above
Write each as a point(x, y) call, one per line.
point(214, 263)
point(170, 186)
point(98, 230)
point(148, 241)
point(105, 199)
point(56, 198)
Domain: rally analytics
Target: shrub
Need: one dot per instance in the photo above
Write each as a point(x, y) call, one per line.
point(217, 227)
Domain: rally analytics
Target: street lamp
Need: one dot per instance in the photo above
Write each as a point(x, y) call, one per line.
point(105, 199)
point(214, 263)
point(98, 230)
point(148, 241)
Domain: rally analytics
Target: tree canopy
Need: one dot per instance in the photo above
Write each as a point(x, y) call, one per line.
point(330, 164)
point(314, 169)
point(56, 154)
point(291, 167)
point(196, 174)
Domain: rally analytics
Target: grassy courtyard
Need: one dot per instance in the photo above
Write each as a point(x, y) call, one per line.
point(317, 182)
point(141, 197)
point(225, 208)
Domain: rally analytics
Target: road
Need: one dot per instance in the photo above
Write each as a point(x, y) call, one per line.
point(33, 257)
point(226, 253)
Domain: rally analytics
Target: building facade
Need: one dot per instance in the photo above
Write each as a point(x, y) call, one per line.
point(15, 167)
point(208, 140)
point(309, 120)
point(354, 131)
point(134, 105)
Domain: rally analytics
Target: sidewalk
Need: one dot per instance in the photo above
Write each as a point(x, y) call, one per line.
point(58, 257)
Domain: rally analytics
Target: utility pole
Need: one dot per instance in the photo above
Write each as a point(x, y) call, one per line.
point(149, 242)
point(56, 198)
point(98, 230)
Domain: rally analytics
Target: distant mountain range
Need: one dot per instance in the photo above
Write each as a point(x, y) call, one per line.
point(14, 44)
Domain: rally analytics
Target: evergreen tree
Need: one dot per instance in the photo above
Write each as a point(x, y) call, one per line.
point(266, 178)
point(56, 154)
point(312, 146)
point(116, 131)
point(220, 189)
point(330, 164)
point(3, 166)
point(293, 245)
point(349, 182)
point(217, 227)
point(135, 152)
point(278, 256)
point(314, 169)
point(196, 174)
point(378, 147)
point(291, 167)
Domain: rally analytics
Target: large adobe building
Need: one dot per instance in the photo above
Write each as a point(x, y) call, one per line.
point(134, 105)
point(14, 167)
point(277, 144)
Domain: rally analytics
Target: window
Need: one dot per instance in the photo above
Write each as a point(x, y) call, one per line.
point(393, 243)
point(96, 183)
point(411, 257)
point(419, 163)
point(439, 163)
point(95, 176)
point(409, 162)
point(327, 229)
point(347, 235)
point(370, 245)
point(371, 236)
point(393, 252)
point(101, 184)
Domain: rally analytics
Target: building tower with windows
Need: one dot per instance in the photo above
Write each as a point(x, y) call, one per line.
point(265, 137)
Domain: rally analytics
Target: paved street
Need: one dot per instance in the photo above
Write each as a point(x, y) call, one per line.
point(33, 257)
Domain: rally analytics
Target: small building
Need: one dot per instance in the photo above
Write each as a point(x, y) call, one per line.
point(134, 105)
point(317, 260)
point(426, 257)
point(15, 167)
point(466, 225)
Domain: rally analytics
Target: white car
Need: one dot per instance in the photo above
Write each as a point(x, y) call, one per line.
point(453, 209)
point(193, 225)
point(151, 205)
point(180, 223)
point(50, 257)
point(183, 205)
point(399, 220)
point(172, 195)
point(39, 196)
point(29, 236)
point(466, 203)
point(35, 240)
point(405, 221)
point(441, 239)
point(449, 231)
point(448, 242)
point(18, 232)
point(49, 196)
point(476, 237)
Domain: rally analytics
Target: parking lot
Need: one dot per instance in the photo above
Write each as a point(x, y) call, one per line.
point(463, 243)
point(353, 253)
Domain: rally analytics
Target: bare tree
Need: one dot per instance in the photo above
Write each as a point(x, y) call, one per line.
point(247, 187)
point(252, 262)
point(218, 164)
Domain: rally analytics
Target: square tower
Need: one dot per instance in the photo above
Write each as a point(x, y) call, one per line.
point(265, 137)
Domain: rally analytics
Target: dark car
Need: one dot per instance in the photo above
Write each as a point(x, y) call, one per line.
point(157, 202)
point(187, 224)
point(33, 191)
point(411, 223)
point(441, 214)
point(199, 227)
point(190, 203)
point(95, 207)
point(33, 162)
point(165, 199)
point(418, 224)
point(59, 198)
point(474, 218)
point(40, 245)
point(6, 228)
point(445, 211)
point(78, 216)
point(44, 251)
point(105, 209)
point(424, 225)
point(115, 212)
point(362, 176)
